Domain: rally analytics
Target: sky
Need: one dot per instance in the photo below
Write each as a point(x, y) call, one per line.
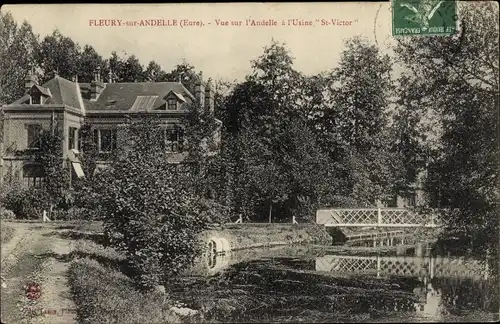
point(221, 52)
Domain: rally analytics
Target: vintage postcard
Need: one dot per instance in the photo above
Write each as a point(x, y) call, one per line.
point(250, 162)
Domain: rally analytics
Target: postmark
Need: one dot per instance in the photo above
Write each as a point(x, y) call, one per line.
point(424, 17)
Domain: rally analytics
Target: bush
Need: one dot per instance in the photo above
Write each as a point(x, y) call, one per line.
point(148, 210)
point(6, 214)
point(27, 203)
point(72, 214)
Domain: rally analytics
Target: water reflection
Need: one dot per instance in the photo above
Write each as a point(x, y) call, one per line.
point(302, 284)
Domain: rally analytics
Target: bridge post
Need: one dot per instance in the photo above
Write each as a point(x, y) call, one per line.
point(379, 216)
point(378, 266)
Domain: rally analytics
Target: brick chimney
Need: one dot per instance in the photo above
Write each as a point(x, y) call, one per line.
point(96, 86)
point(199, 91)
point(209, 97)
point(30, 81)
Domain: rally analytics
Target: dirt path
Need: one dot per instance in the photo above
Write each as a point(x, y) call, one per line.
point(36, 254)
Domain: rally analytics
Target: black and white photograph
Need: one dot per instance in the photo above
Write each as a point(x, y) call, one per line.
point(312, 162)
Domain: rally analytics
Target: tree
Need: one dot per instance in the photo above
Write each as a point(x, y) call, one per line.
point(353, 126)
point(458, 81)
point(149, 213)
point(154, 72)
point(18, 48)
point(132, 70)
point(275, 167)
point(89, 62)
point(58, 54)
point(185, 73)
point(117, 66)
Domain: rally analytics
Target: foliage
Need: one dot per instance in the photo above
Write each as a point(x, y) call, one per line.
point(58, 54)
point(154, 72)
point(293, 143)
point(27, 203)
point(183, 72)
point(148, 210)
point(353, 125)
point(90, 150)
point(18, 48)
point(104, 295)
point(49, 155)
point(53, 194)
point(457, 82)
point(6, 213)
point(89, 61)
point(23, 52)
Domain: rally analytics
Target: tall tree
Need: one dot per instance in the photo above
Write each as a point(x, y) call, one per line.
point(183, 72)
point(458, 84)
point(18, 47)
point(154, 72)
point(89, 61)
point(58, 54)
point(132, 70)
point(277, 167)
point(352, 124)
point(117, 66)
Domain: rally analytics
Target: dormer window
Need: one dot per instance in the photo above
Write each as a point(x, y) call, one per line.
point(36, 99)
point(38, 95)
point(172, 104)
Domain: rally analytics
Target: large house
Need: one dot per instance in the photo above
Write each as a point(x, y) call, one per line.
point(104, 106)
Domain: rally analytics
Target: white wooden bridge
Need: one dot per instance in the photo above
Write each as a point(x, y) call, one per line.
point(374, 217)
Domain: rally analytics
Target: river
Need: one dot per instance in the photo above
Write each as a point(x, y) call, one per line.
point(361, 281)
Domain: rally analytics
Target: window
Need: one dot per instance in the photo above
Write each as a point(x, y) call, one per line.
point(36, 99)
point(174, 139)
point(34, 135)
point(172, 104)
point(33, 175)
point(107, 141)
point(72, 138)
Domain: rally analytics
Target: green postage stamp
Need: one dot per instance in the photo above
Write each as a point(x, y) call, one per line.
point(424, 17)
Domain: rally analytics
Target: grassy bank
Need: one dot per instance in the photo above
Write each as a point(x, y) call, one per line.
point(104, 294)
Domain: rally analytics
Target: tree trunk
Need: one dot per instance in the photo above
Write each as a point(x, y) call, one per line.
point(270, 212)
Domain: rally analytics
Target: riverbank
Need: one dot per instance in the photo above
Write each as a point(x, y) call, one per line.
point(250, 236)
point(84, 281)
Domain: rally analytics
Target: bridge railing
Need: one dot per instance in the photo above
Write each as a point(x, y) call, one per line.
point(372, 217)
point(404, 266)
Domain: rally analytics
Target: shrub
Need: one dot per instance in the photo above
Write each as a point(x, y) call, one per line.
point(6, 213)
point(27, 203)
point(148, 210)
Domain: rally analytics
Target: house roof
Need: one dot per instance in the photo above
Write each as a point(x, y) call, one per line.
point(60, 91)
point(178, 95)
point(63, 92)
point(138, 96)
point(125, 96)
point(45, 91)
point(143, 103)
